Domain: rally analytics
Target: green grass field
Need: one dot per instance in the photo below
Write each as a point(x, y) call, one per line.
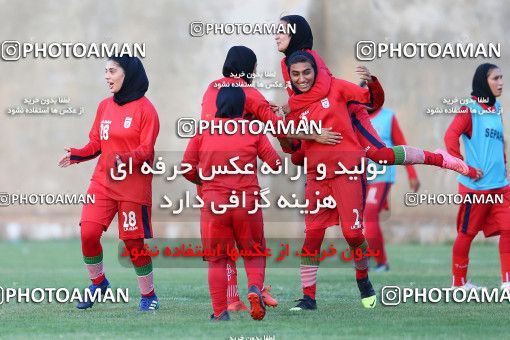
point(185, 305)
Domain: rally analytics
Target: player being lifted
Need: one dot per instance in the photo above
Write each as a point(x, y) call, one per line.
point(124, 132)
point(235, 227)
point(480, 125)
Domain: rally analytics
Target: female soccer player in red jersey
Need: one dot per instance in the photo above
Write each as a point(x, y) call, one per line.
point(123, 135)
point(333, 110)
point(480, 125)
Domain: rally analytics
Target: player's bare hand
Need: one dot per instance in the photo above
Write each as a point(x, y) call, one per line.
point(414, 184)
point(328, 137)
point(364, 73)
point(285, 108)
point(65, 161)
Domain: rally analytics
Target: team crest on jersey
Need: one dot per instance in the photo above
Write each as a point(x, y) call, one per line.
point(127, 122)
point(325, 103)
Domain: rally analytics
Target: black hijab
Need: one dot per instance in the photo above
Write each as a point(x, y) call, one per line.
point(481, 87)
point(300, 57)
point(240, 59)
point(230, 102)
point(135, 82)
point(303, 38)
